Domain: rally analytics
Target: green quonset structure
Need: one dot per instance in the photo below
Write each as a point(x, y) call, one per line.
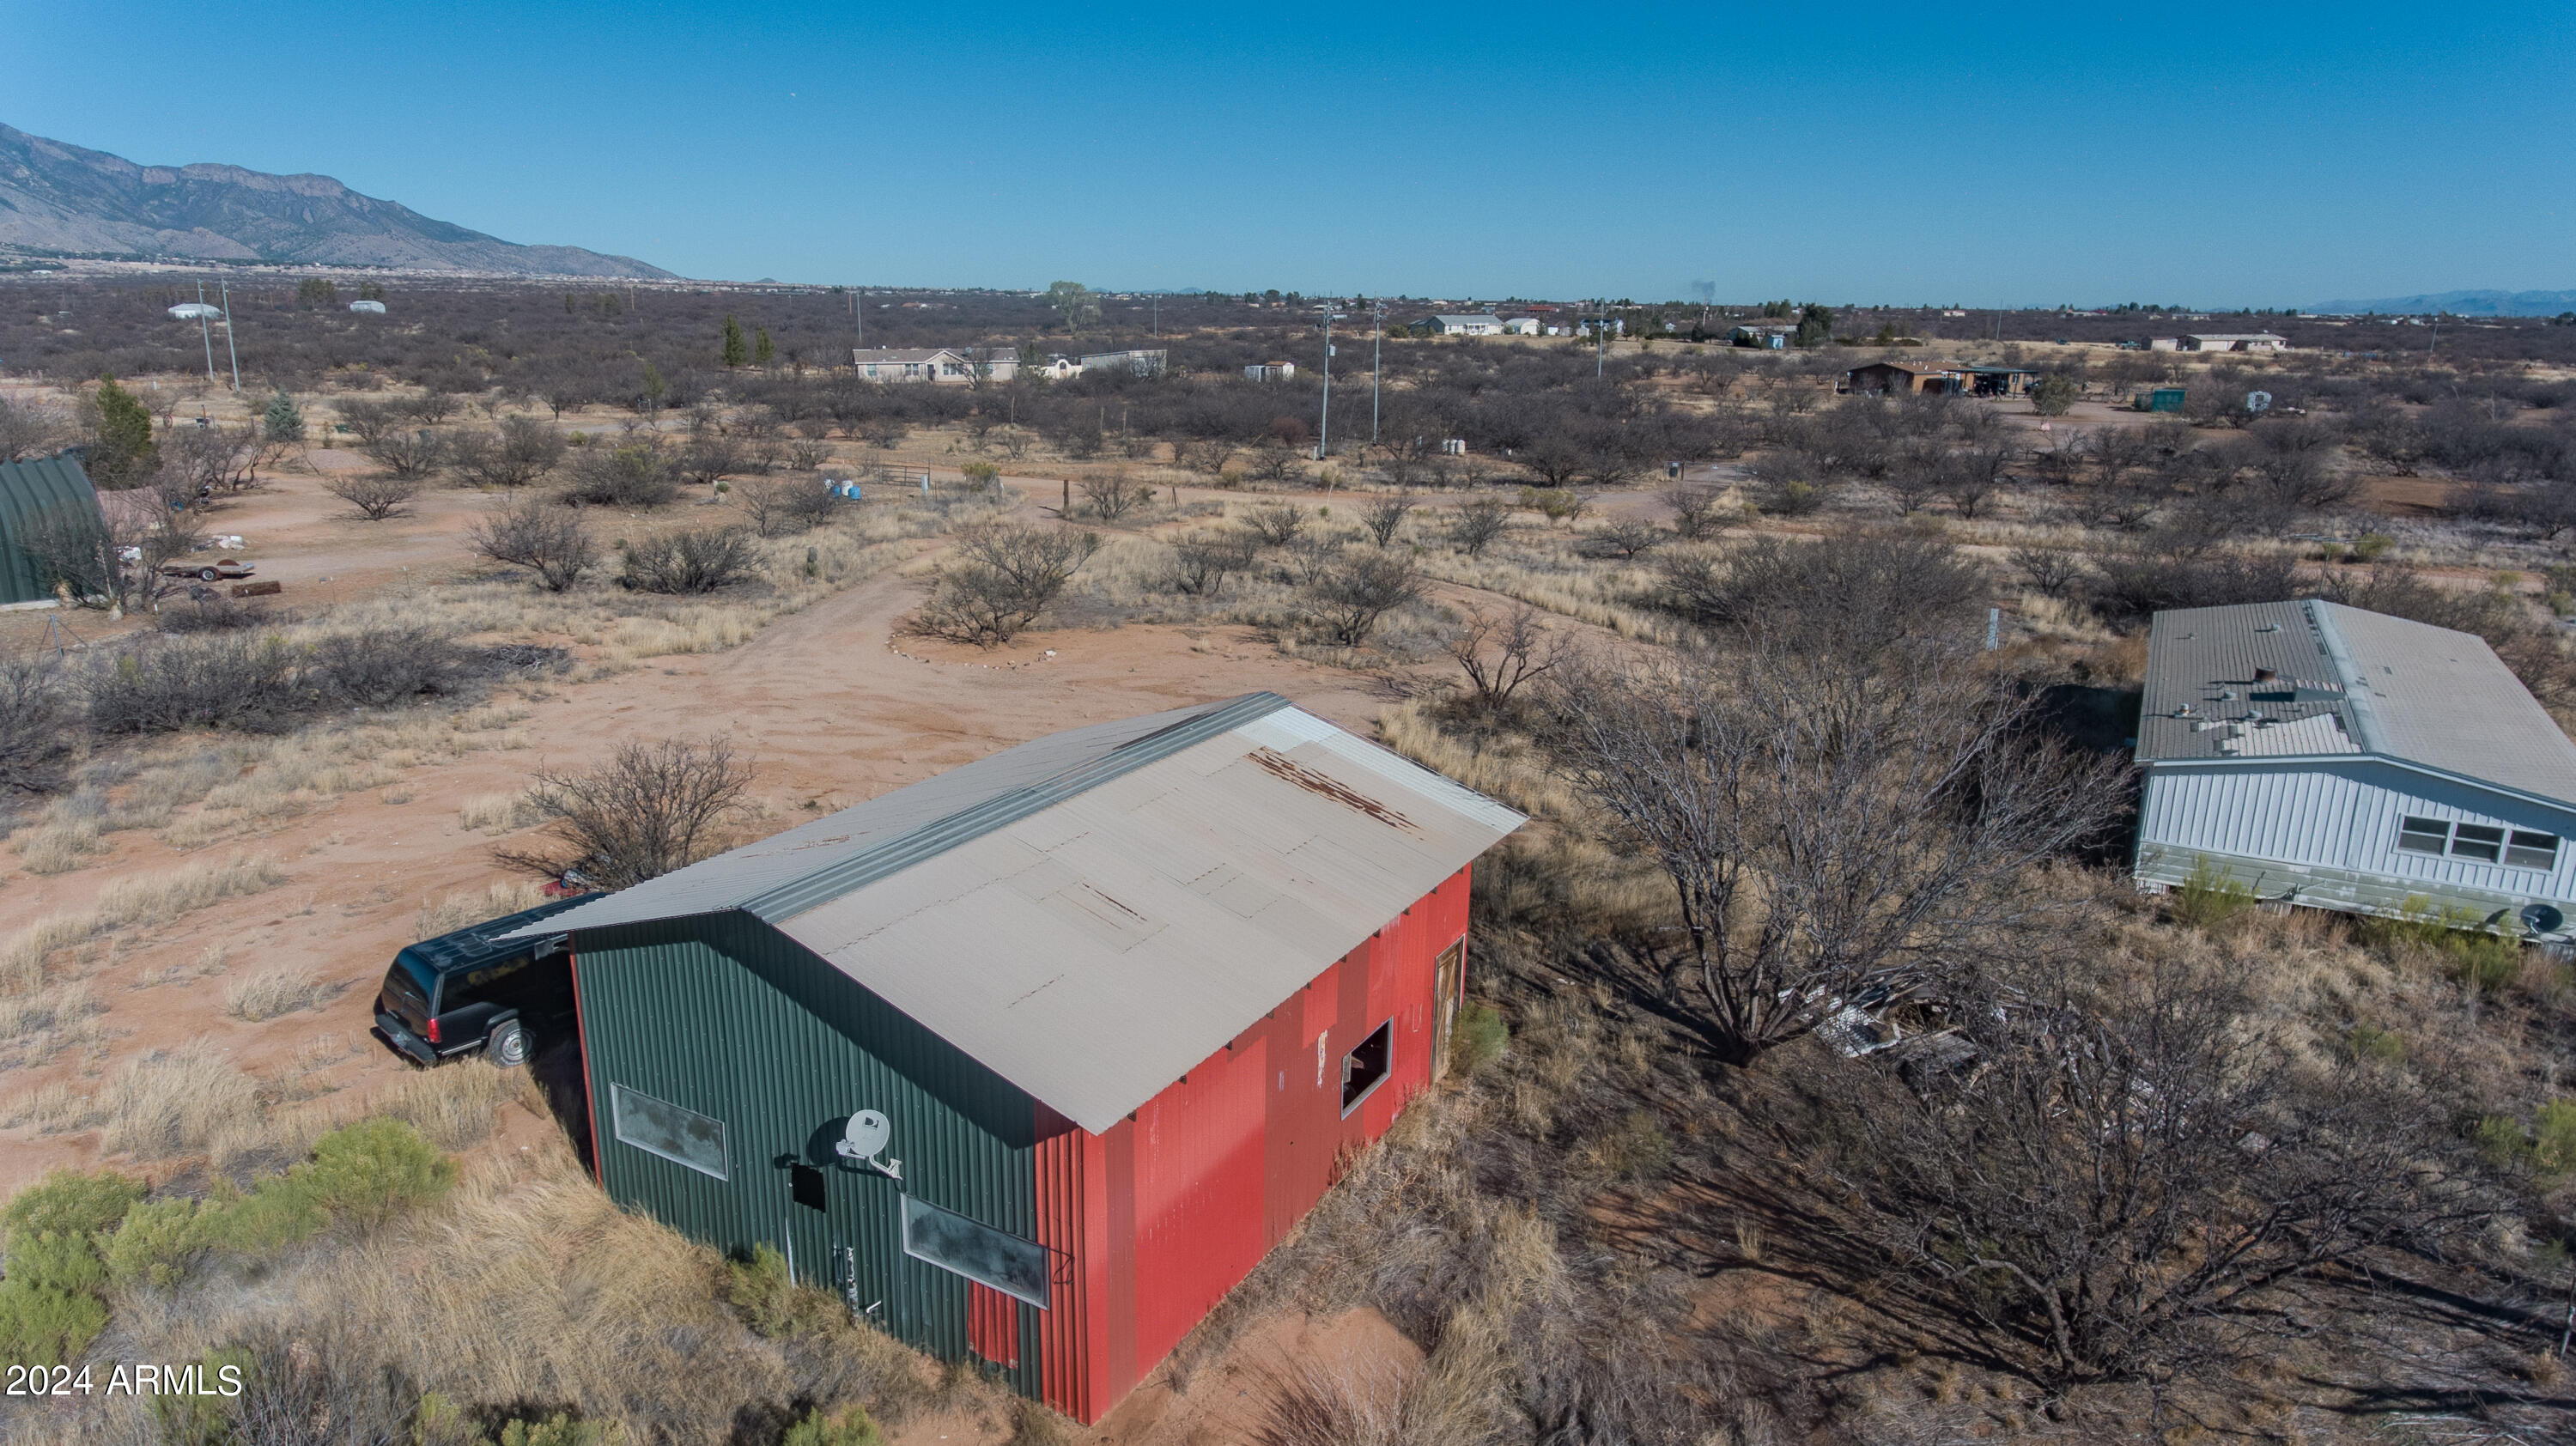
point(31, 494)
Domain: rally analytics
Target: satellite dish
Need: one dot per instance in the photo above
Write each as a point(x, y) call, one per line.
point(867, 1135)
point(2542, 919)
point(2258, 401)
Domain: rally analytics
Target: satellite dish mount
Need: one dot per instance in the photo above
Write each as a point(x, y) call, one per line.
point(864, 1140)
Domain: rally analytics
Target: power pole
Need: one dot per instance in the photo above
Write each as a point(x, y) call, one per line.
point(204, 332)
point(229, 349)
point(1324, 428)
point(1377, 352)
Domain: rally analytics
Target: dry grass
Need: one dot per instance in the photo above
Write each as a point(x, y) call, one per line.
point(35, 1027)
point(138, 903)
point(456, 911)
point(156, 1105)
point(273, 992)
point(497, 812)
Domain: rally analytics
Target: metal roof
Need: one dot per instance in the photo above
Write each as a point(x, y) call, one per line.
point(2391, 687)
point(1481, 316)
point(1093, 913)
point(492, 939)
point(30, 493)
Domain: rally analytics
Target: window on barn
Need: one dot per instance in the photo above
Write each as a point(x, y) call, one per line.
point(975, 1250)
point(2423, 835)
point(1364, 1068)
point(2532, 850)
point(658, 1127)
point(2477, 841)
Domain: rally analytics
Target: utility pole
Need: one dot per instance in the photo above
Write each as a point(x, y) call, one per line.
point(229, 349)
point(1324, 428)
point(1600, 333)
point(204, 332)
point(1158, 316)
point(1377, 352)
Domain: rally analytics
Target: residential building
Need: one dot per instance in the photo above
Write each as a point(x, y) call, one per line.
point(2234, 341)
point(1764, 338)
point(1521, 326)
point(1270, 371)
point(1895, 376)
point(2322, 755)
point(1100, 1017)
point(926, 364)
point(1466, 325)
point(1143, 363)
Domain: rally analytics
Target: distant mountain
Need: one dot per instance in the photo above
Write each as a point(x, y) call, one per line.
point(62, 198)
point(2460, 303)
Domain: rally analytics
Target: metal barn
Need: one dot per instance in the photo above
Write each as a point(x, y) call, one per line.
point(2323, 755)
point(1119, 1000)
point(46, 493)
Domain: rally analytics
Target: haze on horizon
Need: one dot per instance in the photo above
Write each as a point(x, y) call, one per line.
point(2200, 154)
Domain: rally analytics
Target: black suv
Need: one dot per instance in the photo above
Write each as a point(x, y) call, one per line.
point(475, 990)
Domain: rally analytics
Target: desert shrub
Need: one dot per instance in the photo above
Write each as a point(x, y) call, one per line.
point(1380, 517)
point(1277, 524)
point(34, 741)
point(1478, 522)
point(772, 1303)
point(635, 473)
point(999, 578)
point(51, 1302)
point(522, 450)
point(2476, 955)
point(645, 810)
point(373, 1170)
point(273, 992)
point(407, 453)
point(374, 496)
point(380, 667)
point(1354, 593)
point(776, 506)
point(1114, 495)
point(980, 475)
point(166, 684)
point(1694, 506)
point(1855, 593)
point(548, 540)
point(699, 560)
point(2049, 571)
point(1478, 1038)
point(209, 611)
point(2137, 582)
point(851, 1427)
point(1627, 537)
point(1202, 561)
point(155, 1245)
point(2209, 899)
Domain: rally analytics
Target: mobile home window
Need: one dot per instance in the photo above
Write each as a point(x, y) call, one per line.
point(2423, 835)
point(2532, 850)
point(975, 1250)
point(658, 1127)
point(2477, 841)
point(1364, 1068)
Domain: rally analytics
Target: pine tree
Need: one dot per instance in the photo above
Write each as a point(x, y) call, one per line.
point(125, 449)
point(282, 422)
point(734, 352)
point(763, 351)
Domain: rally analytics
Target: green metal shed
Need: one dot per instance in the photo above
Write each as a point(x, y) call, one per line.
point(30, 493)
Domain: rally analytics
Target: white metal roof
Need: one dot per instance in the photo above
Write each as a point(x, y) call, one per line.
point(2393, 687)
point(1093, 913)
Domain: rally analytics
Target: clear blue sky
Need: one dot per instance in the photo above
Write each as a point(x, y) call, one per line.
point(2012, 153)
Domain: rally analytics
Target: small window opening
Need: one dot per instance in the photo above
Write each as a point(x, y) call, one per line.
point(2532, 850)
point(2477, 841)
point(1364, 1068)
point(2423, 835)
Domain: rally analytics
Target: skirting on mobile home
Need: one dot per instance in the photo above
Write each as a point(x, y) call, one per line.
point(1098, 1016)
point(2342, 759)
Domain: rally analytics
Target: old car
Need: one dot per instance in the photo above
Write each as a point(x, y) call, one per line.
point(209, 569)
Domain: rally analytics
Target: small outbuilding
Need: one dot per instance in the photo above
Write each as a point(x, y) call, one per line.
point(1270, 371)
point(1486, 325)
point(1891, 376)
point(2262, 341)
point(2323, 755)
point(368, 308)
point(1100, 1017)
point(37, 497)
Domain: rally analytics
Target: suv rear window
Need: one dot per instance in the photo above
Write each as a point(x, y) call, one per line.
point(409, 987)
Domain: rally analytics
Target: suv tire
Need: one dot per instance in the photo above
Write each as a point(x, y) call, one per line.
point(507, 1047)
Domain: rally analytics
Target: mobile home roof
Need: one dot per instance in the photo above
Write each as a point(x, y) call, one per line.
point(1093, 913)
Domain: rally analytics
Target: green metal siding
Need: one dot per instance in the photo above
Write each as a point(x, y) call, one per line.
point(724, 1015)
point(29, 492)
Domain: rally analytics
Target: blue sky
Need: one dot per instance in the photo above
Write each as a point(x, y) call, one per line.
point(2005, 154)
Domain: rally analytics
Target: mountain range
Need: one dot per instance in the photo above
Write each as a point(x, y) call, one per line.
point(2458, 303)
point(64, 199)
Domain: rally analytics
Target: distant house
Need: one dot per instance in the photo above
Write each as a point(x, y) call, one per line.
point(1882, 377)
point(1141, 363)
point(955, 366)
point(2165, 343)
point(1764, 338)
point(38, 497)
point(371, 308)
point(1521, 326)
point(2001, 381)
point(1272, 371)
point(2234, 341)
point(1466, 326)
point(2321, 755)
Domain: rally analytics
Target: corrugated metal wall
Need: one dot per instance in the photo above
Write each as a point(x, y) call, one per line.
point(2344, 815)
point(1157, 1219)
point(725, 1016)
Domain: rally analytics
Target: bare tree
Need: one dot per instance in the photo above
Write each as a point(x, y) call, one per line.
point(1113, 495)
point(35, 736)
point(1278, 524)
point(31, 428)
point(1501, 654)
point(1478, 522)
point(649, 809)
point(1353, 594)
point(777, 506)
point(1381, 517)
point(546, 538)
point(1836, 829)
point(409, 453)
point(1203, 454)
point(686, 560)
point(373, 496)
point(2049, 571)
point(1627, 536)
point(998, 578)
point(1202, 561)
point(1855, 593)
point(1694, 510)
point(519, 452)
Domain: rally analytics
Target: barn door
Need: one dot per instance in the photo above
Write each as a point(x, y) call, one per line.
point(1446, 981)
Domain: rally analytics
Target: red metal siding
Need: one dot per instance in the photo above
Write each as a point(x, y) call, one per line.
point(992, 1324)
point(1156, 1220)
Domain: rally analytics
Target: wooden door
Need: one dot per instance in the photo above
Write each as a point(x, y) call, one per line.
point(1447, 982)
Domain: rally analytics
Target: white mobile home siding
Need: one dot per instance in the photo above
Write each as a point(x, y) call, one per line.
point(2276, 824)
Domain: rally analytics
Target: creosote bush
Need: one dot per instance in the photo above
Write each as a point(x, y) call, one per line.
point(546, 538)
point(998, 578)
point(694, 561)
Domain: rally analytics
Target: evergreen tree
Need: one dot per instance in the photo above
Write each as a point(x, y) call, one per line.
point(125, 449)
point(735, 354)
point(1815, 326)
point(282, 422)
point(762, 351)
point(653, 389)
